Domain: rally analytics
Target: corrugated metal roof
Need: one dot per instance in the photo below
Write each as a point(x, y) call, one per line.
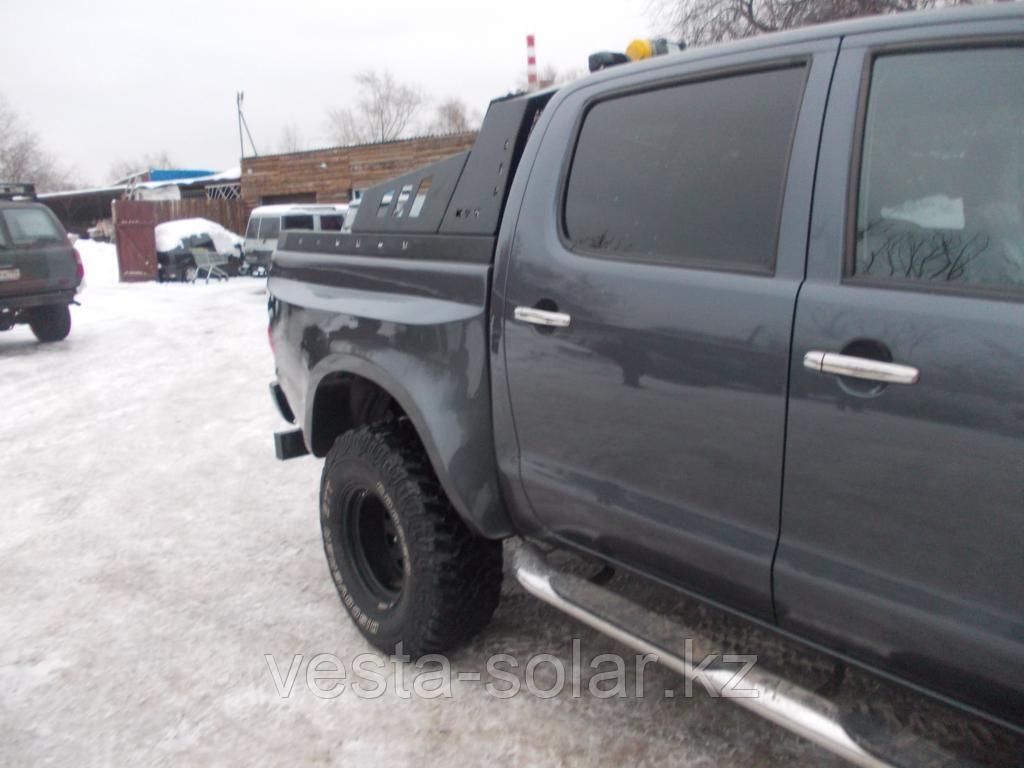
point(358, 146)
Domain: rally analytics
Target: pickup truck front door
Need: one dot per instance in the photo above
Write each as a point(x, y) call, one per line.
point(648, 308)
point(903, 506)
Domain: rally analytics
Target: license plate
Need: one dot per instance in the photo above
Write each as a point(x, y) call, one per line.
point(6, 275)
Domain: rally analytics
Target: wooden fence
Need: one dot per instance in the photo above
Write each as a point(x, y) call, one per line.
point(230, 214)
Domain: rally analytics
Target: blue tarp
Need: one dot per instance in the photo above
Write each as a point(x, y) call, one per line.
point(174, 175)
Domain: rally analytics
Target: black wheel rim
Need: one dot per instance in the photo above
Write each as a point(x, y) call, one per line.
point(375, 544)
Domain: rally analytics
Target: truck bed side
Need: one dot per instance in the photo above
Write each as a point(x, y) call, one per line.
point(394, 316)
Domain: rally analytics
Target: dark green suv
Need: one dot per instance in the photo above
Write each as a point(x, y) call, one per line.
point(39, 270)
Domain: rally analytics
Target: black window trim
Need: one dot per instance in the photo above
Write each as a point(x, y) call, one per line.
point(789, 61)
point(847, 276)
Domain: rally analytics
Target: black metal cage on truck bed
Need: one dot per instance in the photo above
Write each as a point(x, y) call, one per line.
point(449, 210)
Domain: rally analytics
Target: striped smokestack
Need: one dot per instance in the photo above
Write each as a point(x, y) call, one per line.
point(531, 65)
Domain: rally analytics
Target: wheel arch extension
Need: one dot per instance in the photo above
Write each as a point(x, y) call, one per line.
point(347, 392)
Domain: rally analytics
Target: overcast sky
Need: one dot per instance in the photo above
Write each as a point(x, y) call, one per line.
point(106, 79)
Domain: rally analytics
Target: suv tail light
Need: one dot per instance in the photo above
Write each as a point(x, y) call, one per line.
point(79, 267)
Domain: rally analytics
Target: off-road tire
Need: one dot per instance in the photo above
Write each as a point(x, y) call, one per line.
point(50, 323)
point(448, 578)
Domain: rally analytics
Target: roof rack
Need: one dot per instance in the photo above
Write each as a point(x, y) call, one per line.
point(11, 191)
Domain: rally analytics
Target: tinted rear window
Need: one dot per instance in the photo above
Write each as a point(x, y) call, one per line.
point(689, 174)
point(297, 222)
point(32, 225)
point(331, 223)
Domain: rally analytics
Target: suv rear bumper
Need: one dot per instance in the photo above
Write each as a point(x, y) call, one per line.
point(16, 303)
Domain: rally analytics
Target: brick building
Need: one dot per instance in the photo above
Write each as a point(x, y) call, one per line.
point(333, 175)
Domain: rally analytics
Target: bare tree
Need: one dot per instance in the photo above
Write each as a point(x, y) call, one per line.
point(707, 21)
point(550, 76)
point(22, 157)
point(291, 139)
point(125, 167)
point(385, 110)
point(453, 116)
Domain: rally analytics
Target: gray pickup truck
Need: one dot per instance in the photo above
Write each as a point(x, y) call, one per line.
point(746, 320)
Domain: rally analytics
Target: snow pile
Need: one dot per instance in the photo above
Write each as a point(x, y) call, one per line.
point(932, 212)
point(100, 262)
point(170, 233)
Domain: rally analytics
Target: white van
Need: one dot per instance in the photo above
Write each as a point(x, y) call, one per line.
point(267, 221)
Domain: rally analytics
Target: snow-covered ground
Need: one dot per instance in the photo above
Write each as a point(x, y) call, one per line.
point(100, 262)
point(153, 551)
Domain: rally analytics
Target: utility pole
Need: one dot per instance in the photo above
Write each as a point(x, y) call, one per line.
point(238, 105)
point(243, 124)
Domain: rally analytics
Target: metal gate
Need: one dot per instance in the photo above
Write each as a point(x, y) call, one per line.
point(134, 224)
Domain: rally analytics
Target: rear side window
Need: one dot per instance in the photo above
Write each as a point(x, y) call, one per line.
point(252, 229)
point(331, 223)
point(270, 227)
point(691, 174)
point(32, 225)
point(941, 184)
point(298, 222)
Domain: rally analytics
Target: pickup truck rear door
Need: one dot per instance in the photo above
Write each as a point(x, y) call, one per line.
point(656, 261)
point(903, 512)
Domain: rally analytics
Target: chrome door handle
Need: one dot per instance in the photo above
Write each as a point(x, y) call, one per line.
point(542, 317)
point(860, 368)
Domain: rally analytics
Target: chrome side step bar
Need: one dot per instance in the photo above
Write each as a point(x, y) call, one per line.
point(790, 706)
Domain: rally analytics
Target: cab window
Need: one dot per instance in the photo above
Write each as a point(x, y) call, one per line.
point(941, 181)
point(252, 230)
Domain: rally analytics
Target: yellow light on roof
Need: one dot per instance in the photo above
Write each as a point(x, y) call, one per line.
point(639, 49)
